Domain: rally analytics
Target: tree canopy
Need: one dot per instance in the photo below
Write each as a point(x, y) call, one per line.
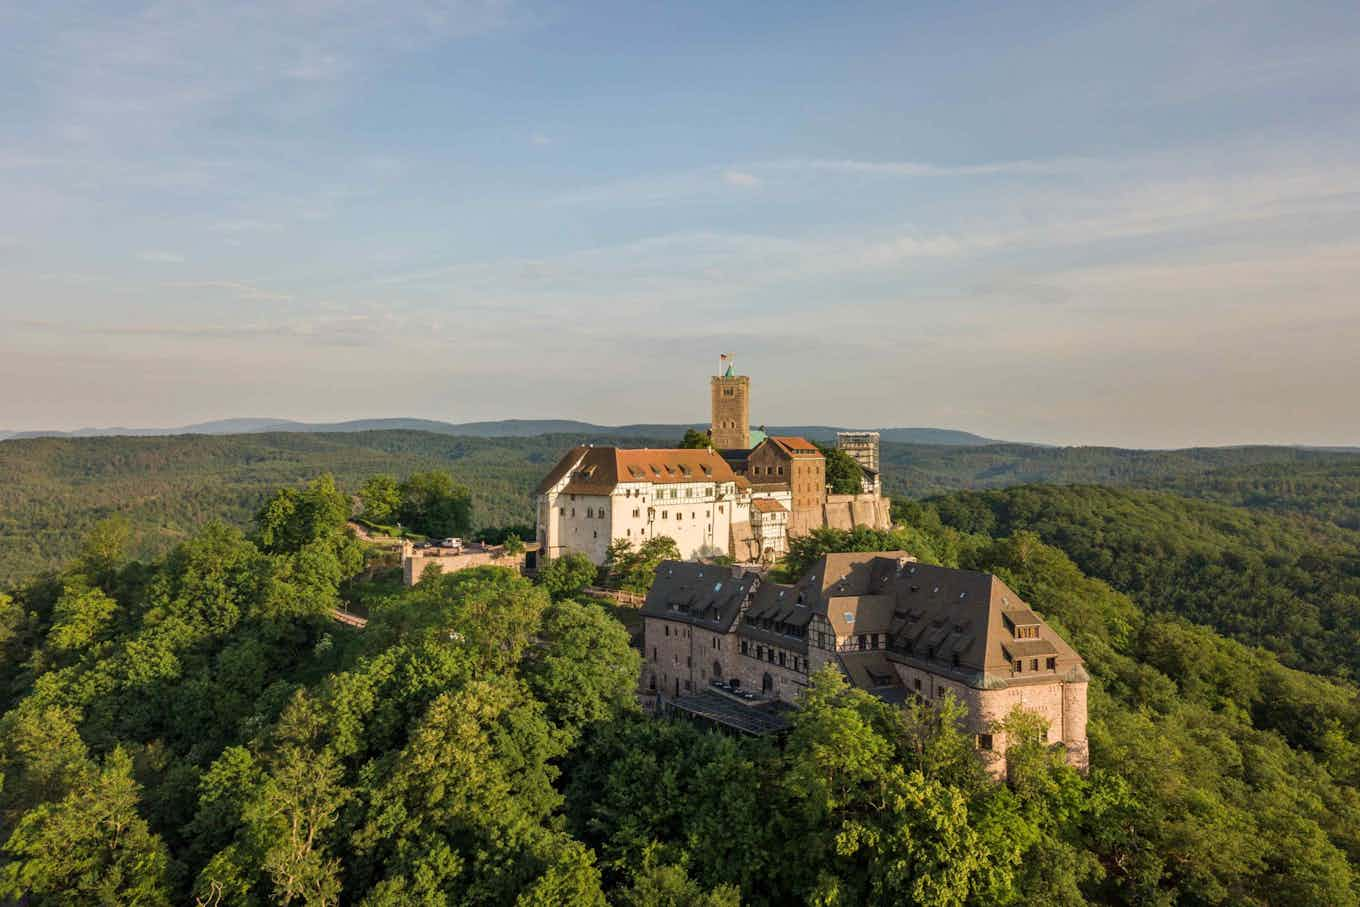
point(843, 472)
point(695, 439)
point(195, 728)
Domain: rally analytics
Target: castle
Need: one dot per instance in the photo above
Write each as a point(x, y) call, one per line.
point(733, 499)
point(730, 648)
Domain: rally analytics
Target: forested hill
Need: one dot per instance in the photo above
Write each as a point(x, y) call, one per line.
point(1288, 584)
point(1323, 484)
point(54, 489)
point(196, 730)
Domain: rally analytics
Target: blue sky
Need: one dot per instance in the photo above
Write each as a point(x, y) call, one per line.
point(1134, 224)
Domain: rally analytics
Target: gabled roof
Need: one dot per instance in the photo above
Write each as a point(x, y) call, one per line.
point(796, 447)
point(768, 505)
point(948, 620)
point(598, 470)
point(703, 594)
point(559, 472)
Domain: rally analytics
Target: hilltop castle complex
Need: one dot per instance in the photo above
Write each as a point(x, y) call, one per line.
point(734, 499)
point(728, 647)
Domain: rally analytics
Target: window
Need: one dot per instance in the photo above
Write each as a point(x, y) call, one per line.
point(1034, 664)
point(653, 653)
point(628, 532)
point(1052, 664)
point(637, 511)
point(668, 629)
point(918, 684)
point(863, 642)
point(665, 514)
point(744, 648)
point(689, 661)
point(984, 742)
point(1019, 666)
point(781, 658)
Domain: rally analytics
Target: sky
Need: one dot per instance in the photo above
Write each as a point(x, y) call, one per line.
point(1134, 224)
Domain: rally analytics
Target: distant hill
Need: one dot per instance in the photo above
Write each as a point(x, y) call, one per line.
point(501, 428)
point(56, 488)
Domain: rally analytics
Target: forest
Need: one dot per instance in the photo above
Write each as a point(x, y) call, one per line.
point(56, 489)
point(192, 728)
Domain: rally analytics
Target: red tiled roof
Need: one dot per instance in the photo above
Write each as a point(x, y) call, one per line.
point(796, 447)
point(603, 468)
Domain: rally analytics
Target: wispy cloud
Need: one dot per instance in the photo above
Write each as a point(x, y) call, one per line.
point(238, 289)
point(742, 179)
point(246, 225)
point(160, 256)
point(921, 169)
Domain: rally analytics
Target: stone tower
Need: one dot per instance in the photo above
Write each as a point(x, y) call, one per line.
point(731, 429)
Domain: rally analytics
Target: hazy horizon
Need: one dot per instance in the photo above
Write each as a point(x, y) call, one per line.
point(1131, 226)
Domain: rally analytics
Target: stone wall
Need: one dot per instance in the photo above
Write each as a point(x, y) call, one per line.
point(843, 511)
point(1060, 703)
point(414, 563)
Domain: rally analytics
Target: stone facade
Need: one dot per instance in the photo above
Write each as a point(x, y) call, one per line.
point(893, 627)
point(731, 425)
point(790, 462)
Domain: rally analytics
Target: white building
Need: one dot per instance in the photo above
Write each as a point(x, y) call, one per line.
point(595, 495)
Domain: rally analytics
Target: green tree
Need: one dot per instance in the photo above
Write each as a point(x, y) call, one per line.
point(293, 518)
point(105, 548)
point(633, 570)
point(583, 668)
point(565, 576)
point(381, 498)
point(656, 885)
point(843, 472)
point(696, 440)
point(81, 618)
point(434, 505)
point(514, 545)
point(91, 847)
point(290, 816)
